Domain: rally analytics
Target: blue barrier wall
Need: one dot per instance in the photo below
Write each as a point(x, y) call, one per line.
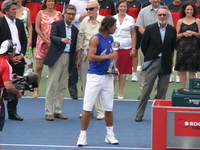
point(165, 1)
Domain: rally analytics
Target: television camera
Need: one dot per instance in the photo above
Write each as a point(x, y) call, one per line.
point(24, 83)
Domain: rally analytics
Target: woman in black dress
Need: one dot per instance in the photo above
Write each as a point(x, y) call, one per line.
point(188, 51)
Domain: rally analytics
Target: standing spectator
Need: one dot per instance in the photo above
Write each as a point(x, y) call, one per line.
point(60, 5)
point(59, 60)
point(174, 8)
point(80, 15)
point(34, 7)
point(98, 81)
point(13, 28)
point(1, 14)
point(23, 13)
point(1, 1)
point(126, 36)
point(147, 16)
point(134, 9)
point(148, 2)
point(106, 7)
point(81, 12)
point(44, 20)
point(198, 8)
point(158, 43)
point(188, 51)
point(89, 26)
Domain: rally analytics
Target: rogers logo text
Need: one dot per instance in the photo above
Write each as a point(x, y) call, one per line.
point(185, 124)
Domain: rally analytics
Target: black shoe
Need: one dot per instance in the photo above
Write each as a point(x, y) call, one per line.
point(138, 119)
point(74, 97)
point(139, 97)
point(15, 117)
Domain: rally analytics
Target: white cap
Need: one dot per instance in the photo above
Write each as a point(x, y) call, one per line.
point(4, 46)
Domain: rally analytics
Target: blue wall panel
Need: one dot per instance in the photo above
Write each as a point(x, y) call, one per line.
point(165, 1)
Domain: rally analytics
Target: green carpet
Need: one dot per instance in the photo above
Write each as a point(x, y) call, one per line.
point(131, 90)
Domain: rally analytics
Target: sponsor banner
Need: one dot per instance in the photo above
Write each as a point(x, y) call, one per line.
point(187, 124)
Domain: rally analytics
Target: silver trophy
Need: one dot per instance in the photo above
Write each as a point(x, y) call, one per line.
point(112, 68)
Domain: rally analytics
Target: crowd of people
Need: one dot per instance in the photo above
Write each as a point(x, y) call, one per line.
point(67, 36)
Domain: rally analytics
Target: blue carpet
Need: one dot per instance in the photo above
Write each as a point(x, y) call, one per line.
point(37, 133)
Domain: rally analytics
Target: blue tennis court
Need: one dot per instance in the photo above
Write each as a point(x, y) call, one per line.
point(35, 133)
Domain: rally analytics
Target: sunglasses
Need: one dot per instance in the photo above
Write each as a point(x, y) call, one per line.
point(71, 14)
point(162, 14)
point(89, 9)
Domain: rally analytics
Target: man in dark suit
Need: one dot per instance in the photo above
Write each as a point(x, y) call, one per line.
point(13, 28)
point(158, 43)
point(59, 60)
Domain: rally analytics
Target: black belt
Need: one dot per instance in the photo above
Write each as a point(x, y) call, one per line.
point(65, 52)
point(159, 57)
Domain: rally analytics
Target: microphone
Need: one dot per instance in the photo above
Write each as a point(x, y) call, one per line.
point(32, 77)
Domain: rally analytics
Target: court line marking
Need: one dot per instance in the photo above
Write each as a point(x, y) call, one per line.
point(61, 146)
point(80, 99)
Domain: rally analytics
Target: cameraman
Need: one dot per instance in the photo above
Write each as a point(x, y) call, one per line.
point(7, 51)
point(13, 28)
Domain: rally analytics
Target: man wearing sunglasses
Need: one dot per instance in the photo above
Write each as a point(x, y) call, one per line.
point(158, 43)
point(147, 16)
point(89, 26)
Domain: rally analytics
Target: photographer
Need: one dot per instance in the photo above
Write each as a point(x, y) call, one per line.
point(7, 51)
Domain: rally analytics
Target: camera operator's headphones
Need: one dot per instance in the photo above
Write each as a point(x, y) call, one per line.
point(7, 47)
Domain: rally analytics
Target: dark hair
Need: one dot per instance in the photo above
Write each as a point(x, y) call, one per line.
point(183, 7)
point(6, 5)
point(107, 22)
point(119, 2)
point(69, 6)
point(44, 4)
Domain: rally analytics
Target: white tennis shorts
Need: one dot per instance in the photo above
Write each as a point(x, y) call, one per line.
point(101, 85)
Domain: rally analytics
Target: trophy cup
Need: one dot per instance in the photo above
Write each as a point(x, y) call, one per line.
point(112, 68)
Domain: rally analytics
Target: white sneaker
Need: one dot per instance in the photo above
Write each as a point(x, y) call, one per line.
point(111, 139)
point(47, 77)
point(82, 141)
point(177, 78)
point(100, 117)
point(134, 77)
point(30, 70)
point(171, 78)
point(196, 75)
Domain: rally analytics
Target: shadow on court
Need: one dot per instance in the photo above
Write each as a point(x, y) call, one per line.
point(35, 133)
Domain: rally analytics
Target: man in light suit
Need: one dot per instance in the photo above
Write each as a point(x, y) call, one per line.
point(59, 60)
point(13, 29)
point(89, 26)
point(158, 43)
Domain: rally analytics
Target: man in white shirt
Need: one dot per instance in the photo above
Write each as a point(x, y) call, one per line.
point(81, 12)
point(13, 28)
